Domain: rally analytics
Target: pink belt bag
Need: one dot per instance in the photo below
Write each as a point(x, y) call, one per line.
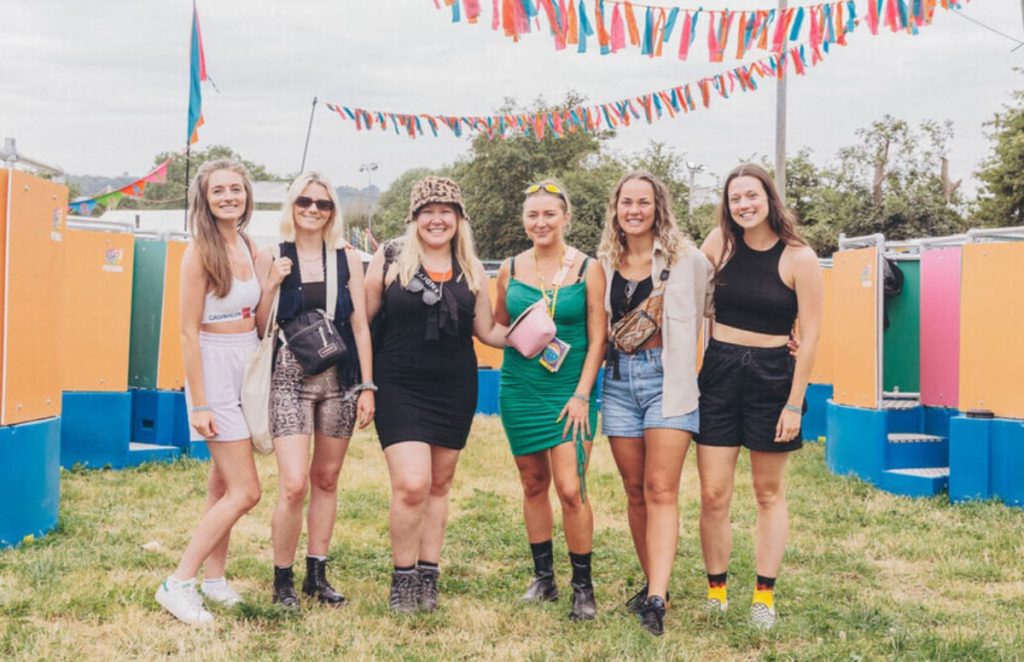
point(532, 331)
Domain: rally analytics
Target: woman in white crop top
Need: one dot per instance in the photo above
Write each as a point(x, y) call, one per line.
point(219, 295)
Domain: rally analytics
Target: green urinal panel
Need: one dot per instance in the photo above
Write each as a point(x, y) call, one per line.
point(901, 366)
point(147, 307)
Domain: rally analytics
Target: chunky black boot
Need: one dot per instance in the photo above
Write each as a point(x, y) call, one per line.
point(636, 603)
point(315, 584)
point(584, 607)
point(284, 588)
point(542, 588)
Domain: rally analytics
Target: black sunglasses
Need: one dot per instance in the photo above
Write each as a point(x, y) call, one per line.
point(303, 202)
point(430, 297)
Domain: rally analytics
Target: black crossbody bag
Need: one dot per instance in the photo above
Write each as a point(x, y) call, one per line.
point(312, 337)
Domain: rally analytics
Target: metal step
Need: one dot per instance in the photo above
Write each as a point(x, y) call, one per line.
point(922, 472)
point(900, 404)
point(138, 447)
point(914, 438)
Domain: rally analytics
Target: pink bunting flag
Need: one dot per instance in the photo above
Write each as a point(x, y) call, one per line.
point(618, 30)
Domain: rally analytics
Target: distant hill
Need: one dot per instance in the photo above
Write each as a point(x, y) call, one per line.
point(357, 201)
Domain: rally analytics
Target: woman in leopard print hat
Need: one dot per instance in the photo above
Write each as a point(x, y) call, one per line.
point(429, 293)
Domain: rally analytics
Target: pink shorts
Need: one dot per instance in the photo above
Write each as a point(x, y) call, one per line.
point(224, 356)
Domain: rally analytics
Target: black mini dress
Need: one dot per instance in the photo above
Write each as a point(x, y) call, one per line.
point(425, 365)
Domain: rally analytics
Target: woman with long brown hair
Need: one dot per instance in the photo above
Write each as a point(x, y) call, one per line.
point(219, 295)
point(752, 390)
point(656, 297)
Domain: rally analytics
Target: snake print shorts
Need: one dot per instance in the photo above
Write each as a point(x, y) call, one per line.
point(300, 403)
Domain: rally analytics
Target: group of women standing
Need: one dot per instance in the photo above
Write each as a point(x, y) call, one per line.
point(638, 308)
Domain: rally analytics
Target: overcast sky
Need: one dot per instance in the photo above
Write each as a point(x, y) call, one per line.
point(101, 87)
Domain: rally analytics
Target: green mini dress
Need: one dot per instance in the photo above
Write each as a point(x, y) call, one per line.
point(531, 397)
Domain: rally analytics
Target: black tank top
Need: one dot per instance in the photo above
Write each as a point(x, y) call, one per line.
point(750, 294)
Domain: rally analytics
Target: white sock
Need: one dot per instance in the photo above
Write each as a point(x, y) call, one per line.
point(173, 584)
point(219, 581)
point(318, 558)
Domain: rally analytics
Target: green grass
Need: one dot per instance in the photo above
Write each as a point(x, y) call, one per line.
point(867, 576)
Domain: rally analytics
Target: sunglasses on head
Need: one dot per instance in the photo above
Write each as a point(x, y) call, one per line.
point(430, 297)
point(550, 188)
point(304, 202)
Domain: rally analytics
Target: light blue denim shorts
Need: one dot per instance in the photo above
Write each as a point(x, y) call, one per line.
point(632, 403)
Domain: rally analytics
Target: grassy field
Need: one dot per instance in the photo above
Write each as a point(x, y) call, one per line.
point(867, 576)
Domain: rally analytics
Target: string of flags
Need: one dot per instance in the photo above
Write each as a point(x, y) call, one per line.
point(674, 101)
point(621, 24)
point(84, 206)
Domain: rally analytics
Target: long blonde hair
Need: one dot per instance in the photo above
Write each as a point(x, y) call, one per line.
point(333, 230)
point(209, 243)
point(665, 229)
point(410, 253)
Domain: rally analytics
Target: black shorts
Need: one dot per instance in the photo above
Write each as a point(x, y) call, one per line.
point(742, 393)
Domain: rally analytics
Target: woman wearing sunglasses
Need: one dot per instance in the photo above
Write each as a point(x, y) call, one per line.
point(550, 415)
point(430, 302)
point(657, 288)
point(326, 405)
point(752, 390)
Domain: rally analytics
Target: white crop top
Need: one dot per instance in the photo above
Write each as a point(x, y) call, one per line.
point(241, 300)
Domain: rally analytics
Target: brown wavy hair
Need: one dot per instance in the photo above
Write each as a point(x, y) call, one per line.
point(666, 229)
point(780, 219)
point(207, 239)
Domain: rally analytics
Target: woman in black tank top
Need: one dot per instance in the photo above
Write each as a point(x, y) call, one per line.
point(430, 294)
point(752, 390)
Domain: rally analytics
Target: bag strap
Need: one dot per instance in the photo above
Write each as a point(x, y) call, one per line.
point(332, 281)
point(272, 318)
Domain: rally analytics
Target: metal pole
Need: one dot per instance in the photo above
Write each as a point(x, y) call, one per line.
point(368, 168)
point(309, 130)
point(780, 119)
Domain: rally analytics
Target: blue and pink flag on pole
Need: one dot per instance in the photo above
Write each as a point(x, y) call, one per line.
point(198, 75)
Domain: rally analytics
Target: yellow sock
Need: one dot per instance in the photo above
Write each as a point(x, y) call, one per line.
point(766, 598)
point(718, 593)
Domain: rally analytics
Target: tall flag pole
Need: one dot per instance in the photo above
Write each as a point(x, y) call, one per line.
point(195, 97)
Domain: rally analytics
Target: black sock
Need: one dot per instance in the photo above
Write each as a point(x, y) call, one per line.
point(407, 568)
point(580, 568)
point(765, 583)
point(427, 564)
point(717, 580)
point(543, 558)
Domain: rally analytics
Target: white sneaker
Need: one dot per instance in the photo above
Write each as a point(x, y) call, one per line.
point(182, 600)
point(762, 616)
point(220, 591)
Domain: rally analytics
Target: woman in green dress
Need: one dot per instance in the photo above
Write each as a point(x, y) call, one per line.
point(550, 416)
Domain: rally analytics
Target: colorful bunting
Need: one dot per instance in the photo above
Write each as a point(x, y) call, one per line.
point(84, 206)
point(820, 25)
point(196, 76)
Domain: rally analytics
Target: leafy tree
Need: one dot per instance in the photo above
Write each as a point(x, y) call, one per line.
point(1001, 199)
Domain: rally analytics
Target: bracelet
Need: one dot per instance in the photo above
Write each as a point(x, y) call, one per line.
point(366, 386)
point(580, 396)
point(198, 408)
point(793, 408)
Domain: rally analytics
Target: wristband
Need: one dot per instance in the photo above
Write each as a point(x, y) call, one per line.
point(367, 386)
point(793, 408)
point(199, 408)
point(580, 396)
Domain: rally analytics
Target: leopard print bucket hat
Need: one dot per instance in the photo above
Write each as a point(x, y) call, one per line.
point(435, 189)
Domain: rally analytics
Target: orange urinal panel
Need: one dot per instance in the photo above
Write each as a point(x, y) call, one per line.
point(991, 323)
point(34, 248)
point(170, 373)
point(854, 327)
point(96, 315)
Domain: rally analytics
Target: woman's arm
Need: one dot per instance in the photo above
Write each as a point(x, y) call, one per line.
point(500, 309)
point(484, 326)
point(810, 296)
point(374, 284)
point(193, 297)
point(576, 410)
point(361, 330)
point(271, 273)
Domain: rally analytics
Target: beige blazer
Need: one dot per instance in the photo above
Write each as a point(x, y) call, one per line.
point(688, 298)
